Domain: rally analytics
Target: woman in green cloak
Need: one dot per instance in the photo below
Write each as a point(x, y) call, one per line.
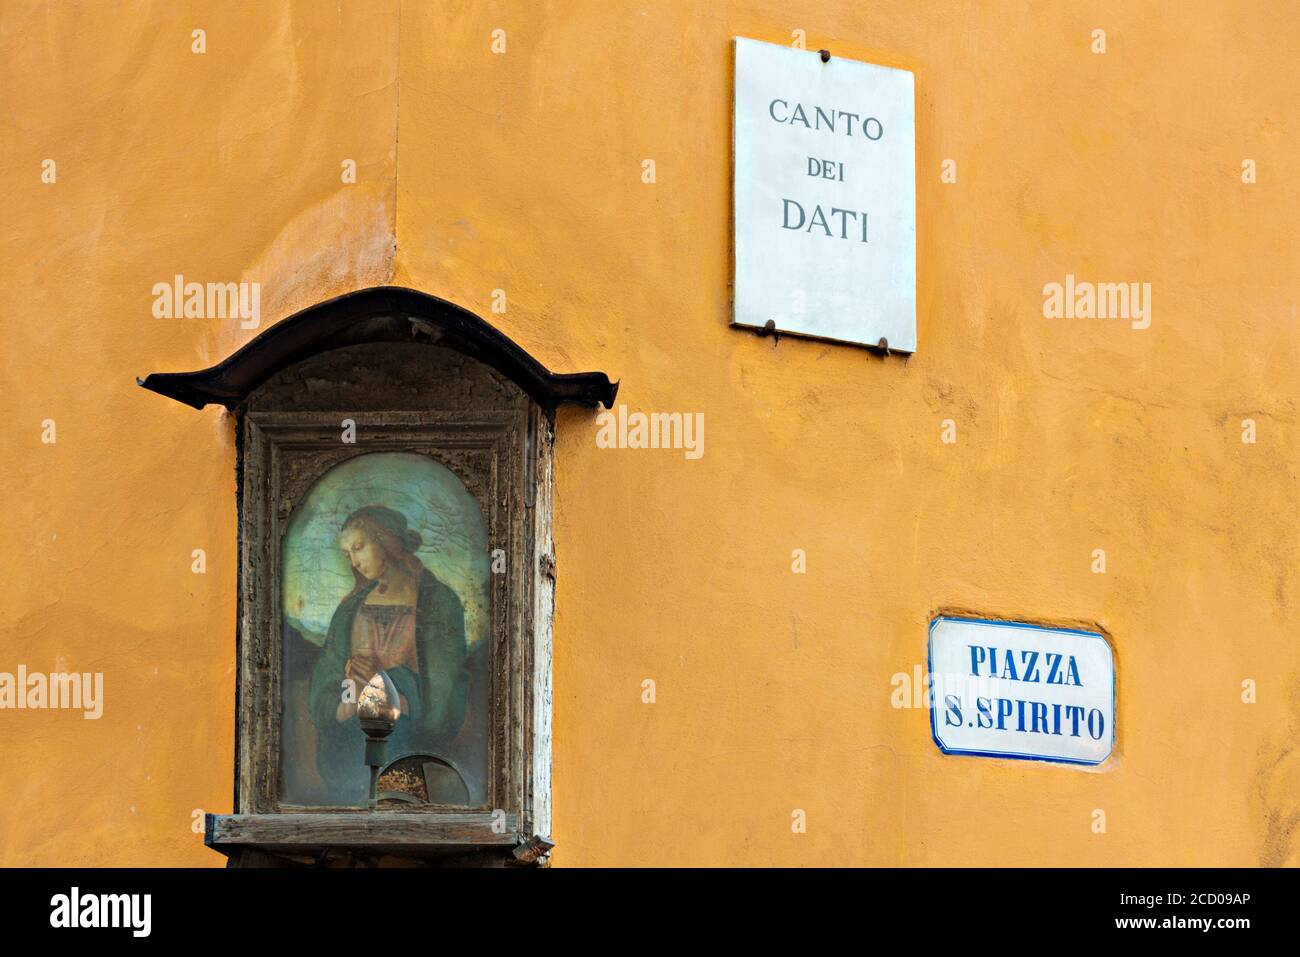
point(399, 619)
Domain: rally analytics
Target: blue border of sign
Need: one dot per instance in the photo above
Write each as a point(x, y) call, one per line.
point(934, 718)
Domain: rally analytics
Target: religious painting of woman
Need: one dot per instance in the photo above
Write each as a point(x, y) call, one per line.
point(397, 617)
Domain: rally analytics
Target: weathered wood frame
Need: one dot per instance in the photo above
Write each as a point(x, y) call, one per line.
point(336, 355)
point(503, 456)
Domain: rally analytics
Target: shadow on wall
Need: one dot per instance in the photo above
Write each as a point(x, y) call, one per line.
point(1279, 790)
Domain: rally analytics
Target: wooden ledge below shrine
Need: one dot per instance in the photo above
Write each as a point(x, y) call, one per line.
point(370, 838)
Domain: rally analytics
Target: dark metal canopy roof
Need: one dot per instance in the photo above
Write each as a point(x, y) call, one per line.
point(379, 314)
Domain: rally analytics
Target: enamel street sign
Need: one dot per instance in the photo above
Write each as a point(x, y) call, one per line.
point(1008, 690)
point(825, 196)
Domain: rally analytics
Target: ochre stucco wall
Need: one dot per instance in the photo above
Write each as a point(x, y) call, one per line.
point(522, 172)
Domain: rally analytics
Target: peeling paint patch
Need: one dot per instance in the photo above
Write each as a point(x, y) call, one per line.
point(334, 247)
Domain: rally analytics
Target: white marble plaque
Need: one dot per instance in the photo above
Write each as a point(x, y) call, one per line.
point(825, 196)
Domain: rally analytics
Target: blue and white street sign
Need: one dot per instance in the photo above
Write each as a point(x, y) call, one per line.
point(1008, 690)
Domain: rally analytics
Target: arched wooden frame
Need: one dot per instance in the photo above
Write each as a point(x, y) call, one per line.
point(472, 401)
point(379, 314)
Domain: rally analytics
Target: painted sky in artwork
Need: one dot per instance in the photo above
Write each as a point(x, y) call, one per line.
point(317, 575)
